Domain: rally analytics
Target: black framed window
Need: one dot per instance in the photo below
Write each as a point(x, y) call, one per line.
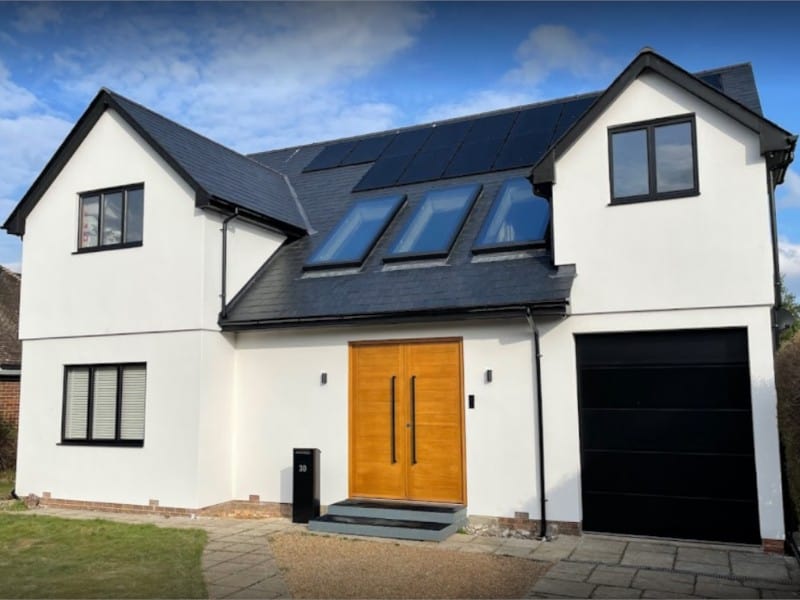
point(104, 404)
point(111, 218)
point(654, 160)
point(517, 219)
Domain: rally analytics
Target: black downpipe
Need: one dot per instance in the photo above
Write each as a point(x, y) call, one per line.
point(775, 260)
point(539, 429)
point(223, 312)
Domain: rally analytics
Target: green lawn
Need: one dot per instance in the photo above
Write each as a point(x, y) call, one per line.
point(48, 557)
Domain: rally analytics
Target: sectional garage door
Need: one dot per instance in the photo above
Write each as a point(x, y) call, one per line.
point(667, 435)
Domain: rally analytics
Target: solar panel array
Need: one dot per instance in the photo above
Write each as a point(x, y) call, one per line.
point(470, 147)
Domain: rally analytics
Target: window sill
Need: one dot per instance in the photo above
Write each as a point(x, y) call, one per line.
point(116, 443)
point(508, 247)
point(107, 247)
point(656, 198)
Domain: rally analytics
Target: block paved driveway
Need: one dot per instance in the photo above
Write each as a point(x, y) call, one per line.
point(238, 562)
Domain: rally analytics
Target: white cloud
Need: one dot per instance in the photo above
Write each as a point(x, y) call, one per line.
point(34, 17)
point(264, 74)
point(789, 257)
point(788, 195)
point(548, 49)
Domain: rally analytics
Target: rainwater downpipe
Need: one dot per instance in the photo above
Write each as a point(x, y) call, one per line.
point(539, 427)
point(223, 294)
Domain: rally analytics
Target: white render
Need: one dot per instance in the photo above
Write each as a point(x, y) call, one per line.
point(223, 411)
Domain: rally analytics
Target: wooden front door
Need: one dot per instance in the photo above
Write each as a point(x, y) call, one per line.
point(406, 421)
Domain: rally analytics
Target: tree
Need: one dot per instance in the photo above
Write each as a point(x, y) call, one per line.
point(789, 303)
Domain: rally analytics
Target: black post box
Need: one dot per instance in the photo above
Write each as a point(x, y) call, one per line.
point(305, 485)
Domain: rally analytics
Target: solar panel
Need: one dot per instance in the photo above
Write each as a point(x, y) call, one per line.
point(491, 128)
point(570, 113)
point(427, 165)
point(536, 120)
point(384, 173)
point(474, 157)
point(407, 142)
point(367, 150)
point(330, 156)
point(448, 135)
point(521, 151)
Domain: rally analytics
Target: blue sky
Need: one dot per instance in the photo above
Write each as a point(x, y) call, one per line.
point(257, 76)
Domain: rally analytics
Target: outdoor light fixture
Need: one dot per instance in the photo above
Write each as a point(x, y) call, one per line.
point(323, 378)
point(488, 376)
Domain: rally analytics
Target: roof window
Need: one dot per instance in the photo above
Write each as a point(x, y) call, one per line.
point(352, 239)
point(517, 219)
point(434, 225)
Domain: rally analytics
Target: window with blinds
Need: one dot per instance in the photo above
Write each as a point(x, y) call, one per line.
point(104, 404)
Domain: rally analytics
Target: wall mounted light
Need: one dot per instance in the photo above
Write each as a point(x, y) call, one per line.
point(323, 378)
point(488, 376)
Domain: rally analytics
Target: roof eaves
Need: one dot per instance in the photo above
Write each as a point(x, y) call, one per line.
point(773, 138)
point(550, 308)
point(15, 223)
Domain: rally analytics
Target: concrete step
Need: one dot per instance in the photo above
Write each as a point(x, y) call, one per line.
point(401, 511)
point(388, 528)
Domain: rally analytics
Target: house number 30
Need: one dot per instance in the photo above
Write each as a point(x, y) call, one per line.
point(302, 468)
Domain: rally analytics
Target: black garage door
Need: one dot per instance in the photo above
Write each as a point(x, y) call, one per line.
point(667, 435)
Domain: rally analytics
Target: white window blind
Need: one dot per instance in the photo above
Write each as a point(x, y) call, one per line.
point(76, 404)
point(105, 403)
point(133, 393)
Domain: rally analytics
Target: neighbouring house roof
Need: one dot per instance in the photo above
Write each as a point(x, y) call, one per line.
point(282, 293)
point(220, 177)
point(10, 348)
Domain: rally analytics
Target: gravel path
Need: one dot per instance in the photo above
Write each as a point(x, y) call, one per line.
point(316, 566)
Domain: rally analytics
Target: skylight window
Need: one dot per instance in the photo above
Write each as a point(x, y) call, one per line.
point(435, 223)
point(517, 219)
point(352, 239)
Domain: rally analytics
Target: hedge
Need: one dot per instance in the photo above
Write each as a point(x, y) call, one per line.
point(787, 380)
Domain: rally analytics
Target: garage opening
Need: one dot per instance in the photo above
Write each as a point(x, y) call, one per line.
point(667, 435)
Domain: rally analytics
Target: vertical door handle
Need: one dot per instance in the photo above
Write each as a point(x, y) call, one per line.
point(392, 403)
point(413, 419)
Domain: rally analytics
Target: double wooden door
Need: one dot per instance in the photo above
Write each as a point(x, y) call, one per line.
point(406, 421)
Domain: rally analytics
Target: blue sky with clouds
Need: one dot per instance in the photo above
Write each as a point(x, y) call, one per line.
point(257, 76)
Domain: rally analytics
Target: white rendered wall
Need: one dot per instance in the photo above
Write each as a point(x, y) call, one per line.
point(166, 468)
point(702, 251)
point(559, 390)
point(155, 287)
point(281, 405)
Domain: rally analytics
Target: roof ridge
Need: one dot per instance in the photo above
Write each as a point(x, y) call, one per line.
point(192, 131)
point(488, 113)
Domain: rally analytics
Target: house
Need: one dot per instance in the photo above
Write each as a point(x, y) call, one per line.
point(9, 347)
point(556, 314)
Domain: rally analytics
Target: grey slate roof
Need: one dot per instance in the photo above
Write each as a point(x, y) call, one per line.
point(281, 293)
point(220, 171)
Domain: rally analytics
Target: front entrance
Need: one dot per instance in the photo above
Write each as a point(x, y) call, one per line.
point(406, 421)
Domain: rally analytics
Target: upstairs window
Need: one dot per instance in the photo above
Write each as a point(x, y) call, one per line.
point(517, 219)
point(111, 218)
point(104, 404)
point(352, 239)
point(654, 160)
point(434, 225)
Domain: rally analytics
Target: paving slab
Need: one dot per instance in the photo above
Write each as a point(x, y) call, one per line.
point(640, 558)
point(701, 555)
point(664, 581)
point(517, 551)
point(610, 591)
point(571, 571)
point(220, 591)
point(569, 589)
point(722, 589)
point(598, 556)
point(612, 576)
point(550, 553)
point(756, 570)
point(702, 568)
point(659, 594)
point(652, 547)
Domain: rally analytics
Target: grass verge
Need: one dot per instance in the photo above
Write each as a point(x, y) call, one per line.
point(6, 484)
point(48, 557)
